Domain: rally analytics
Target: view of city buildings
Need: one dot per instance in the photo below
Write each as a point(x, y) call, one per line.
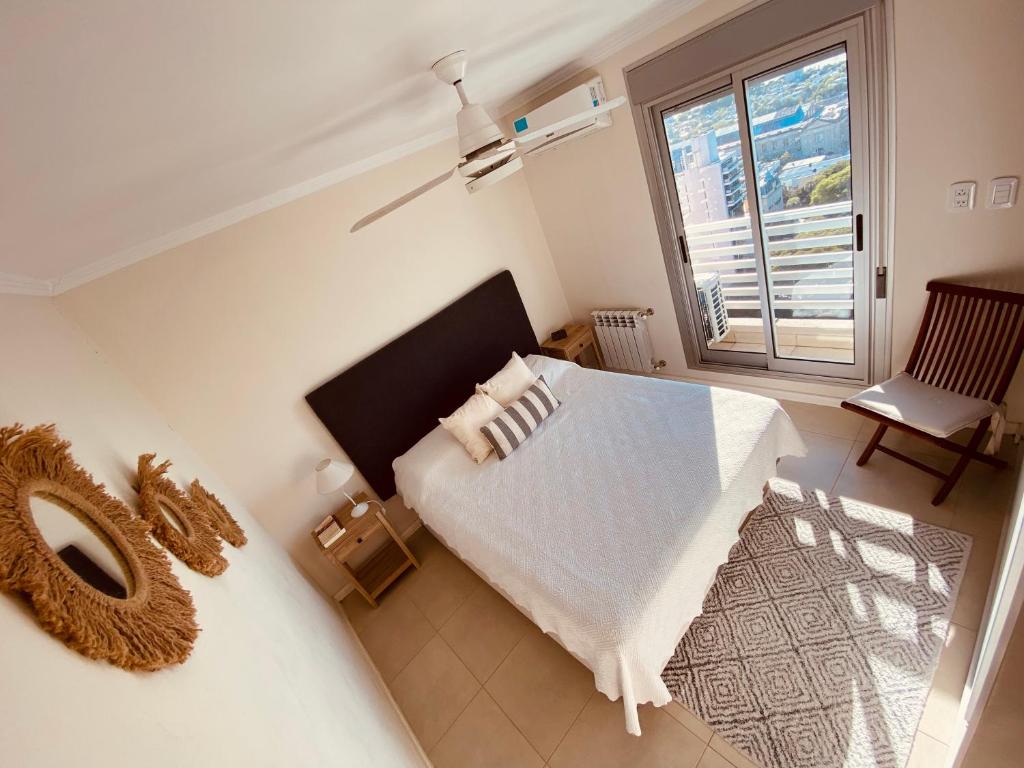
point(798, 126)
point(801, 130)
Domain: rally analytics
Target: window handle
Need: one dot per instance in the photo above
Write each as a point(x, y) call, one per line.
point(859, 226)
point(682, 249)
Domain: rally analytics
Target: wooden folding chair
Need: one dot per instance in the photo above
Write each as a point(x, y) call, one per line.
point(966, 353)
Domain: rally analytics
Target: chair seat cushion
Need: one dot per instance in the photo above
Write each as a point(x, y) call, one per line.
point(922, 406)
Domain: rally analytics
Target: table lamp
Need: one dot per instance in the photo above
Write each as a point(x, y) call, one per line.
point(331, 476)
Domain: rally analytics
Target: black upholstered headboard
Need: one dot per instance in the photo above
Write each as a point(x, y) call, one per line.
point(381, 406)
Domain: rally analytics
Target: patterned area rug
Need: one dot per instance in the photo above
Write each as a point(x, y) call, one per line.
point(821, 633)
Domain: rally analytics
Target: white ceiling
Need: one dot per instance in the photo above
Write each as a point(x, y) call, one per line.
point(128, 126)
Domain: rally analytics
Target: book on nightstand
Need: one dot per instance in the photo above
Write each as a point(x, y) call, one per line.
point(330, 534)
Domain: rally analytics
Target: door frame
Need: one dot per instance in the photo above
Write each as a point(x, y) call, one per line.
point(879, 127)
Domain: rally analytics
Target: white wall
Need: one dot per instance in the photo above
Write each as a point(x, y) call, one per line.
point(958, 115)
point(226, 334)
point(276, 677)
point(959, 112)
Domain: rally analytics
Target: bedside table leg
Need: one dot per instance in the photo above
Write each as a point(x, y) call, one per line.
point(355, 583)
point(398, 539)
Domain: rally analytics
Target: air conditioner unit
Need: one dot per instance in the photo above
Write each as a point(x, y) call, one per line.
point(712, 307)
point(579, 99)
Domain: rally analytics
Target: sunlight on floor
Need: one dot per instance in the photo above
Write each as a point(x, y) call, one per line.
point(885, 560)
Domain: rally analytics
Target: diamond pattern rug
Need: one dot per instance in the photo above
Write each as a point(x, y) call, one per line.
point(820, 636)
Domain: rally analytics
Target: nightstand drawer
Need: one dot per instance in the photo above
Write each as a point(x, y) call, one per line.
point(356, 533)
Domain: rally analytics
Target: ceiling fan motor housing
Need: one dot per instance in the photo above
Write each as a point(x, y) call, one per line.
point(476, 129)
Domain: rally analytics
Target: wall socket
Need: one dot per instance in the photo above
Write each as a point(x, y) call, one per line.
point(961, 196)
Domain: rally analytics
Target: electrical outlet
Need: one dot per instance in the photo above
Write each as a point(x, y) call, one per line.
point(961, 196)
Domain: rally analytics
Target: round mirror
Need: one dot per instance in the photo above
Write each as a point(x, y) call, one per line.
point(83, 561)
point(222, 521)
point(87, 551)
point(171, 516)
point(176, 521)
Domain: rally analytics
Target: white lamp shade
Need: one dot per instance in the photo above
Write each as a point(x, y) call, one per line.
point(331, 475)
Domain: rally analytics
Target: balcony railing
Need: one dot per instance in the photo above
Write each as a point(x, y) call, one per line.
point(810, 261)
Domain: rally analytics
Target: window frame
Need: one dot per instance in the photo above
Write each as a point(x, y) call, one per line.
point(874, 95)
point(692, 98)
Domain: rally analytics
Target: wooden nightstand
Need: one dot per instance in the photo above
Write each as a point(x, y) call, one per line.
point(379, 570)
point(579, 347)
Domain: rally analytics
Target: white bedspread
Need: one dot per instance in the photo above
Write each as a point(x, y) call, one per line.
point(607, 526)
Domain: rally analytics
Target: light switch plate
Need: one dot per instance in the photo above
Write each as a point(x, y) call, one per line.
point(1002, 192)
point(961, 196)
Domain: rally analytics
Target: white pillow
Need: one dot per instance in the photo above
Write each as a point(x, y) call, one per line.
point(464, 425)
point(508, 384)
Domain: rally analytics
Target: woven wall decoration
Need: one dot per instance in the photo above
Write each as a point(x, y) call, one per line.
point(226, 525)
point(199, 546)
point(153, 627)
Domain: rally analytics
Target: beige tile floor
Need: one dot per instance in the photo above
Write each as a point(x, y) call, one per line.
point(481, 686)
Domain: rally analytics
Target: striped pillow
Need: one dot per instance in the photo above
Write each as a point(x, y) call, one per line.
point(512, 426)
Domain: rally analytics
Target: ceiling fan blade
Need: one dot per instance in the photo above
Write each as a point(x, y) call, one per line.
point(399, 202)
point(547, 130)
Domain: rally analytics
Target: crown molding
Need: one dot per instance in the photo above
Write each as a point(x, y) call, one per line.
point(24, 285)
point(137, 253)
point(612, 44)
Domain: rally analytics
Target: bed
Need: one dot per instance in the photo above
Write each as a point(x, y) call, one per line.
point(607, 526)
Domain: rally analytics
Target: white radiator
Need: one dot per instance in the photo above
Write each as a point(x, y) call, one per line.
point(624, 340)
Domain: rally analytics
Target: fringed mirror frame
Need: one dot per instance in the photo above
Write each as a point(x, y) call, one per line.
point(199, 547)
point(153, 627)
point(222, 520)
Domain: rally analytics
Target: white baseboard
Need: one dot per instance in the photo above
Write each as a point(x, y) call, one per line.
point(344, 591)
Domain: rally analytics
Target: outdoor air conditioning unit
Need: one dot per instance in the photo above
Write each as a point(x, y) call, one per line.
point(579, 99)
point(712, 306)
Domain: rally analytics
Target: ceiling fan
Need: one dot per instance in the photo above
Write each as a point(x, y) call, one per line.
point(487, 154)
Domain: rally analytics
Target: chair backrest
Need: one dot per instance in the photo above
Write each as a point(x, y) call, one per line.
point(970, 340)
